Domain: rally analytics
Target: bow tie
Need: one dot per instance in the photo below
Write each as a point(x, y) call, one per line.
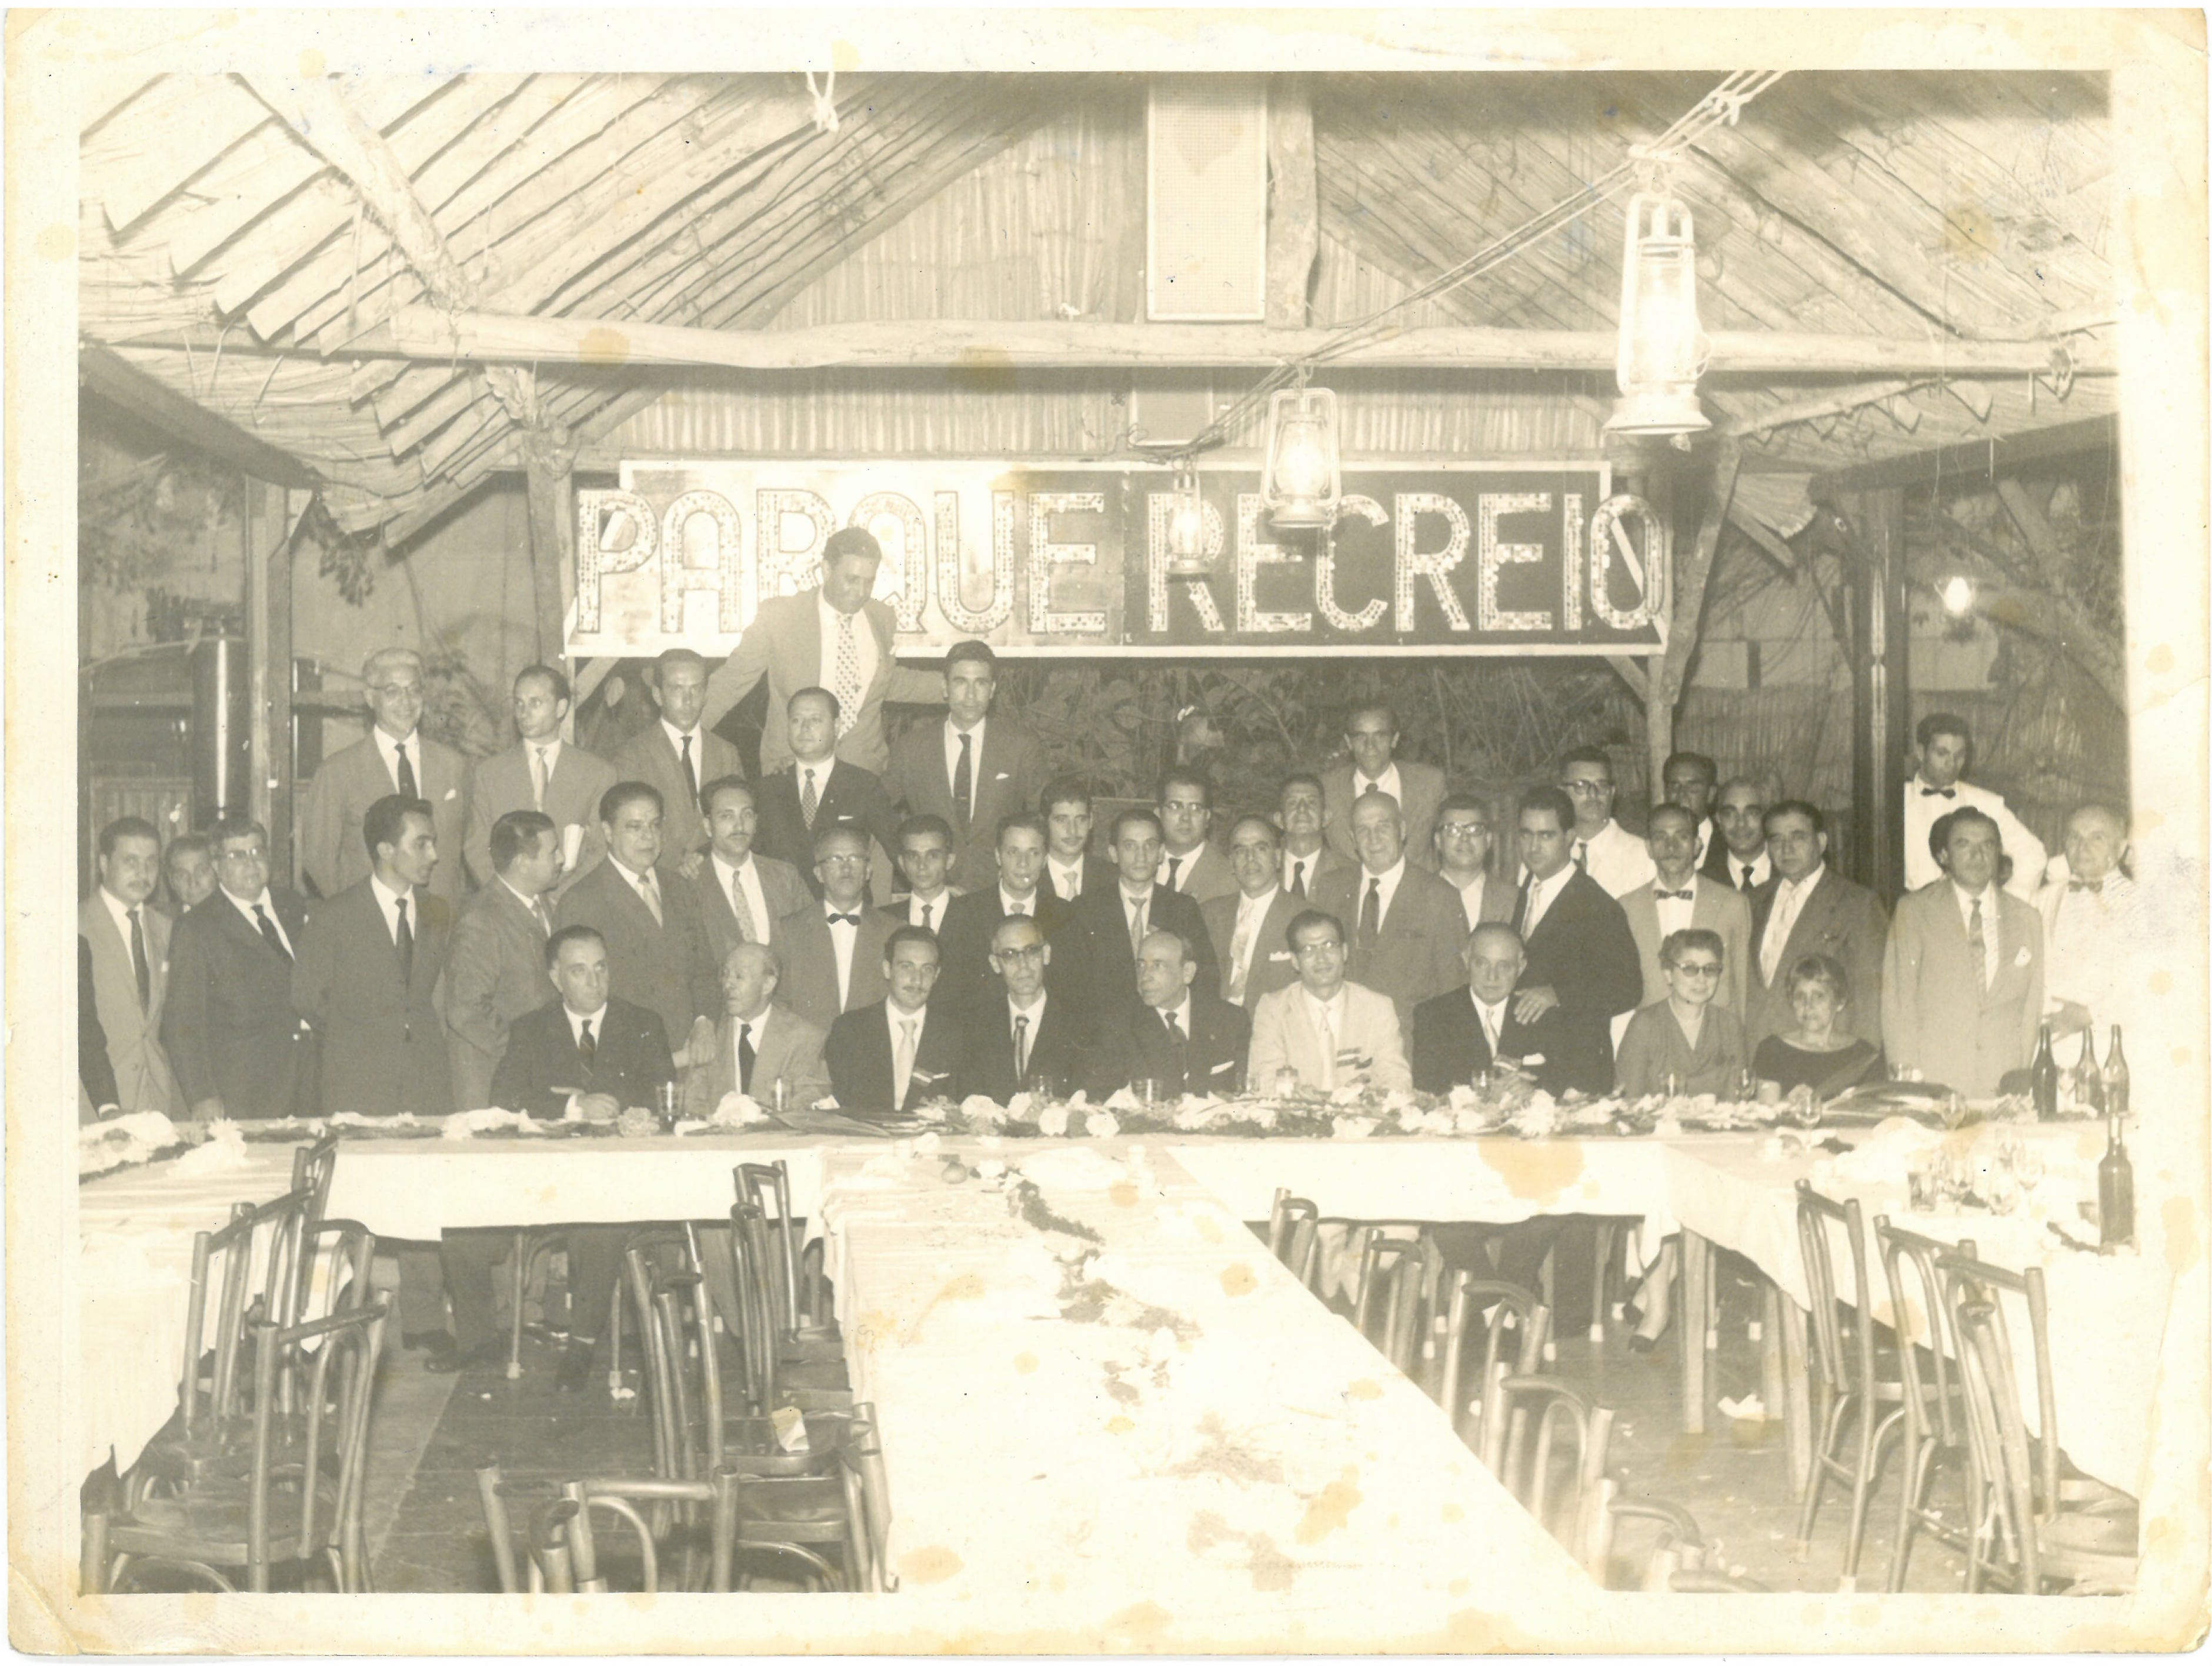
point(2094, 887)
point(1939, 792)
point(848, 918)
point(1685, 895)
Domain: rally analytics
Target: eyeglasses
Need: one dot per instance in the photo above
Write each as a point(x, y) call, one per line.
point(1698, 967)
point(1462, 830)
point(248, 855)
point(1029, 953)
point(1592, 787)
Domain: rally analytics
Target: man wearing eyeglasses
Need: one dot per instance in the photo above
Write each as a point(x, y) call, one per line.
point(1599, 845)
point(834, 950)
point(1023, 1040)
point(395, 757)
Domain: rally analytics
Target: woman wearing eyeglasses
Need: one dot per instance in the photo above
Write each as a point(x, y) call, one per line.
point(1686, 1036)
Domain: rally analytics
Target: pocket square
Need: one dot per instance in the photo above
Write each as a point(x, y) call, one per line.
point(2023, 958)
point(1001, 776)
point(453, 792)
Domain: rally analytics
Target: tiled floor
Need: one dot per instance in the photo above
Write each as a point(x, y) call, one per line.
point(432, 1433)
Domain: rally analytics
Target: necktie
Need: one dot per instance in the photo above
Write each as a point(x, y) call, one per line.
point(1328, 1052)
point(269, 930)
point(846, 919)
point(650, 892)
point(1240, 951)
point(745, 1057)
point(1298, 877)
point(545, 915)
point(690, 771)
point(1021, 1046)
point(407, 790)
point(586, 1048)
point(1371, 916)
point(1977, 945)
point(1175, 1048)
point(1582, 854)
point(1137, 925)
point(1175, 1029)
point(809, 802)
point(1779, 925)
point(406, 941)
point(1746, 877)
point(1068, 883)
point(1674, 896)
point(538, 777)
point(929, 920)
point(848, 675)
point(1939, 792)
point(963, 782)
point(903, 1066)
point(1489, 1026)
point(138, 964)
point(1524, 911)
point(1174, 866)
point(1017, 910)
point(742, 910)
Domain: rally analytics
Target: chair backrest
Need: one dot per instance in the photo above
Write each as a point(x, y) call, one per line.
point(756, 1278)
point(1846, 1359)
point(767, 1186)
point(1284, 1216)
point(867, 1502)
point(1568, 1500)
point(1967, 1279)
point(1999, 1435)
point(1516, 1315)
point(1909, 1264)
point(563, 1547)
point(334, 1359)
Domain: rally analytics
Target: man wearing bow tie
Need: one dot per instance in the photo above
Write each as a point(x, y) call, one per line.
point(395, 757)
point(1947, 751)
point(1678, 899)
point(834, 950)
point(2093, 929)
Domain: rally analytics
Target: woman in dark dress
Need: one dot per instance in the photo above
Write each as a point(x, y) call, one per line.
point(1818, 1053)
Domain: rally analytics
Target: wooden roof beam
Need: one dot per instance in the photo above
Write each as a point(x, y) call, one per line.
point(145, 399)
point(1974, 462)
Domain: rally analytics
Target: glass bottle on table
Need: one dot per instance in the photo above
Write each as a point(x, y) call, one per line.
point(2116, 1078)
point(2116, 1190)
point(2043, 1079)
point(2089, 1079)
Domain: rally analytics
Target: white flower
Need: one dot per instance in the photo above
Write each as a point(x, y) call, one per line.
point(1052, 1122)
point(982, 1111)
point(1352, 1128)
point(1102, 1125)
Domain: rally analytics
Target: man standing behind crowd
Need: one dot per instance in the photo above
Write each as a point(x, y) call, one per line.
point(1372, 733)
point(239, 1048)
point(1302, 812)
point(1689, 779)
point(1599, 845)
point(1581, 957)
point(131, 964)
point(1070, 871)
point(819, 789)
point(1105, 928)
point(1810, 908)
point(1462, 839)
point(678, 755)
point(974, 769)
point(1251, 930)
point(1409, 928)
point(495, 967)
point(836, 637)
point(1739, 857)
point(1189, 863)
point(1947, 751)
point(924, 857)
point(542, 772)
point(187, 874)
point(395, 757)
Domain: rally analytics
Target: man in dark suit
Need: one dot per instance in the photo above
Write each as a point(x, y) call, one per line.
point(1016, 1037)
point(743, 895)
point(1408, 927)
point(974, 769)
point(1463, 1032)
point(130, 943)
point(239, 1049)
point(1371, 735)
point(1808, 908)
point(584, 1052)
point(833, 950)
point(495, 966)
point(366, 977)
point(836, 636)
point(678, 755)
point(1071, 872)
point(543, 772)
point(1188, 862)
point(894, 1054)
point(648, 915)
point(1176, 1034)
point(1581, 957)
point(966, 979)
point(819, 789)
point(924, 857)
point(1301, 812)
point(395, 757)
point(1250, 929)
point(187, 874)
point(1102, 930)
point(1738, 855)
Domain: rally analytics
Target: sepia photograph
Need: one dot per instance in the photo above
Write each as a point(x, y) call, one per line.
point(1075, 832)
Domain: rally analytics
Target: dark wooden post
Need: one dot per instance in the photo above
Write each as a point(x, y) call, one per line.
point(548, 458)
point(1881, 704)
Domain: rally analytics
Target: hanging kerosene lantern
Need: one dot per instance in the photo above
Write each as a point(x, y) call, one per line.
point(1302, 484)
point(1662, 350)
point(1187, 526)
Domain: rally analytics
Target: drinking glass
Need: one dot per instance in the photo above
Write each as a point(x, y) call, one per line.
point(2001, 1192)
point(1921, 1190)
point(1746, 1087)
point(1286, 1082)
point(2027, 1167)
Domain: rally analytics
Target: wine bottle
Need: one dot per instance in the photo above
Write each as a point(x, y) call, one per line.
point(2043, 1079)
point(2116, 1191)
point(2116, 1078)
point(2090, 1090)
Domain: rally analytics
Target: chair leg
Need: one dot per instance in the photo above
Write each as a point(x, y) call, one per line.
point(1912, 1489)
point(522, 1254)
point(92, 1554)
point(1831, 1422)
point(1608, 1242)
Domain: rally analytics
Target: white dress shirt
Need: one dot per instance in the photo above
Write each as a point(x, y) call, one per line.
point(897, 1018)
point(1025, 1043)
point(1310, 863)
point(640, 884)
point(388, 901)
point(1389, 782)
point(120, 911)
point(676, 739)
point(1761, 867)
point(1492, 1019)
point(1389, 879)
point(746, 879)
point(1674, 912)
point(388, 749)
point(1541, 895)
point(1130, 905)
point(1329, 1018)
point(1616, 859)
point(843, 934)
point(1024, 906)
point(1183, 862)
point(550, 750)
point(1788, 900)
point(1985, 899)
point(533, 906)
point(864, 649)
point(246, 907)
point(1251, 912)
point(577, 1021)
point(1067, 881)
point(1470, 898)
point(1922, 811)
point(928, 911)
point(974, 756)
point(2095, 944)
point(1180, 1013)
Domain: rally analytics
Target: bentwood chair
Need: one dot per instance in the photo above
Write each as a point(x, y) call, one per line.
point(795, 1287)
point(300, 1502)
point(1934, 1431)
point(808, 1374)
point(1515, 1317)
point(1292, 1225)
point(562, 1544)
point(1391, 1290)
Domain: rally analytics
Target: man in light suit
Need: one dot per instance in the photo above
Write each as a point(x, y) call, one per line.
point(1018, 1038)
point(1071, 872)
point(1301, 813)
point(238, 1047)
point(965, 978)
point(648, 915)
point(495, 966)
point(1178, 1034)
point(743, 895)
point(1581, 957)
point(894, 1054)
point(1410, 927)
point(1962, 980)
point(366, 979)
point(543, 772)
point(130, 942)
point(1682, 897)
point(1372, 733)
point(1946, 753)
point(1187, 863)
point(761, 1044)
point(1809, 909)
point(1461, 1032)
point(835, 637)
point(1251, 929)
point(395, 757)
point(833, 950)
point(974, 769)
point(679, 754)
point(1463, 847)
point(1332, 1033)
point(819, 789)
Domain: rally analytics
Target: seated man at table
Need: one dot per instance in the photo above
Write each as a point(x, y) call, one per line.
point(968, 927)
point(583, 1053)
point(889, 1056)
point(1327, 1032)
point(1461, 1033)
point(762, 1045)
point(1020, 1039)
point(1178, 1034)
